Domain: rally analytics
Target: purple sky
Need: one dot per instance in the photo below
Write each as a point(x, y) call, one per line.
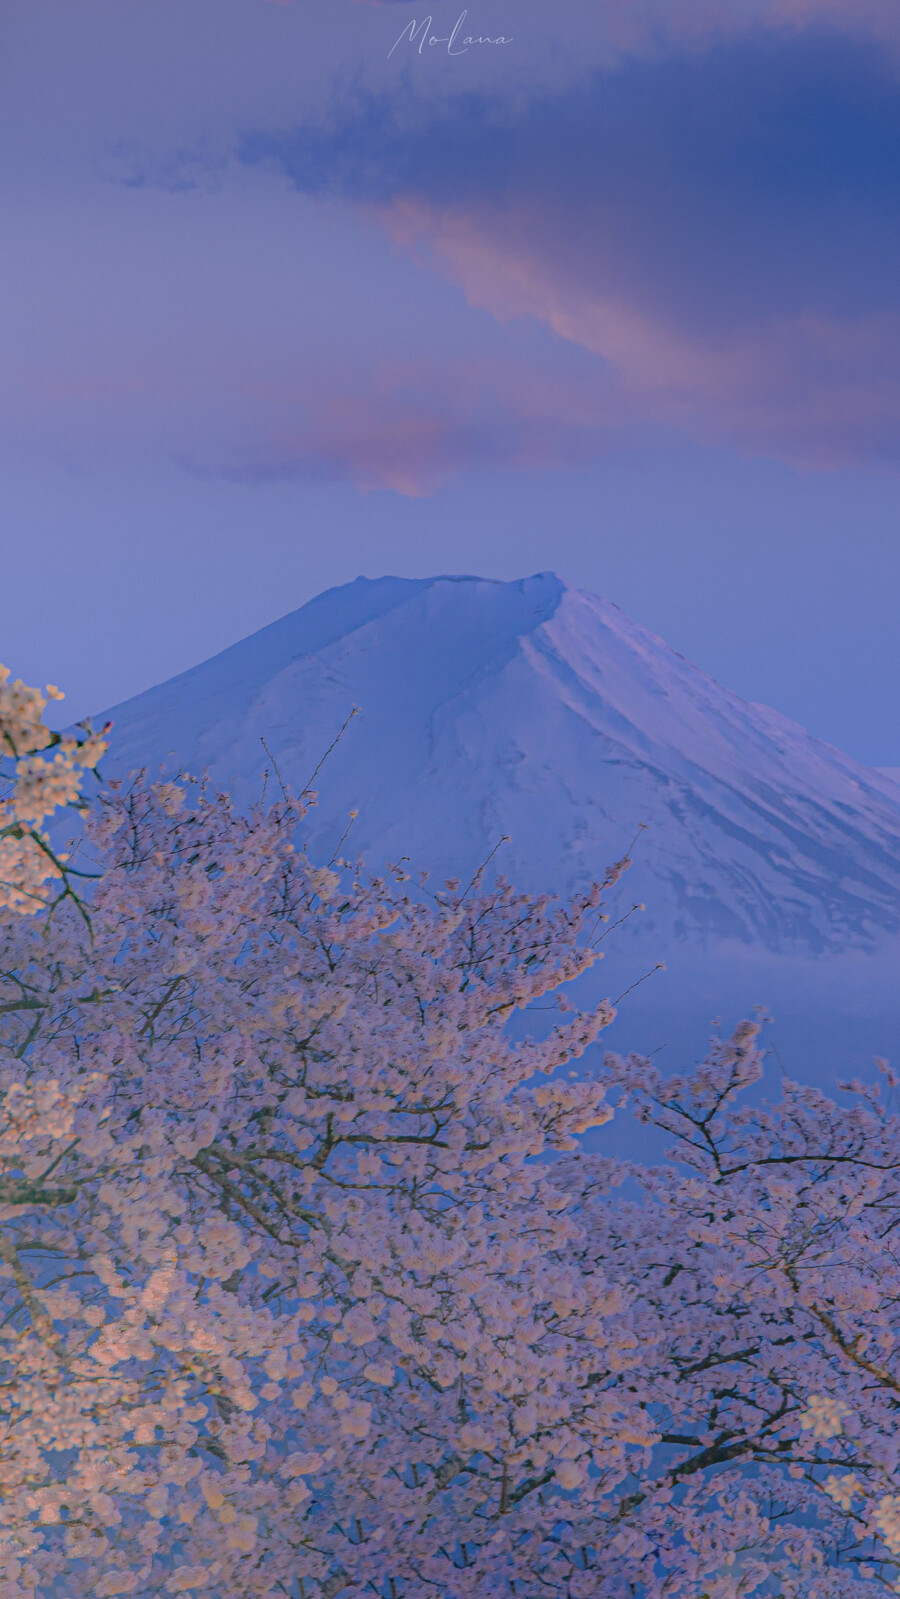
point(619, 298)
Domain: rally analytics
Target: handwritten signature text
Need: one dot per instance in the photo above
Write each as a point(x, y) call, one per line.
point(457, 43)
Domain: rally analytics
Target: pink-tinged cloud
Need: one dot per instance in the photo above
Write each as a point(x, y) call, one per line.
point(413, 428)
point(819, 391)
point(645, 27)
point(405, 427)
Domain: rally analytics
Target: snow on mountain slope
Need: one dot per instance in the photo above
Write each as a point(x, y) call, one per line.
point(544, 713)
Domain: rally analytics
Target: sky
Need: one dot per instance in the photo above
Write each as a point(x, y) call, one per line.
point(289, 294)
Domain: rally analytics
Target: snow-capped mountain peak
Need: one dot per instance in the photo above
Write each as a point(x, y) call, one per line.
point(540, 712)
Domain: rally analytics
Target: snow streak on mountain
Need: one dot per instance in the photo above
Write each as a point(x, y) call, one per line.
point(536, 711)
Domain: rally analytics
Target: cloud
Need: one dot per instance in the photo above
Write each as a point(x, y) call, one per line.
point(652, 27)
point(815, 389)
point(411, 429)
point(408, 427)
point(720, 227)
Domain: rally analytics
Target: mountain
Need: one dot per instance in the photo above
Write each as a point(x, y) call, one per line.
point(536, 711)
point(768, 863)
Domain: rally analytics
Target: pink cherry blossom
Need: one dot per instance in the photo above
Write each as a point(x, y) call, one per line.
point(309, 1285)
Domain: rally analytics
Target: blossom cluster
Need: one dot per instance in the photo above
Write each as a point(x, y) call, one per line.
point(310, 1285)
point(36, 785)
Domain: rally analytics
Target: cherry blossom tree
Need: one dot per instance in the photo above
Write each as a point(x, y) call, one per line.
point(309, 1285)
point(33, 786)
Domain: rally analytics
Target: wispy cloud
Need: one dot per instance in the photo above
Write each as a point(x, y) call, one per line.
point(411, 429)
